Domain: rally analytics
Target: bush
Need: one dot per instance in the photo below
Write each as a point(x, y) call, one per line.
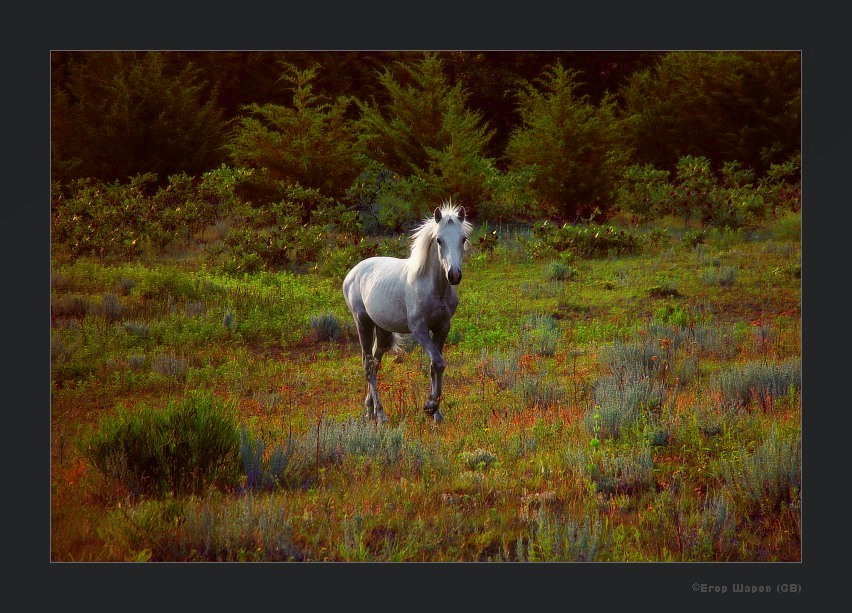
point(644, 191)
point(91, 217)
point(557, 539)
point(326, 327)
point(760, 383)
point(180, 449)
point(585, 240)
point(770, 476)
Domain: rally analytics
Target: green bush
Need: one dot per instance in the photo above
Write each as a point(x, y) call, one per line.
point(584, 240)
point(91, 217)
point(182, 448)
point(644, 191)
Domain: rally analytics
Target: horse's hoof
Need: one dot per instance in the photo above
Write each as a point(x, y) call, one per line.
point(431, 408)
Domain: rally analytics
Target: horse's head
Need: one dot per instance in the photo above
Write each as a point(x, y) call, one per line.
point(451, 238)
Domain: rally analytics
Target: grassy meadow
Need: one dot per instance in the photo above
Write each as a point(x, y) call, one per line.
point(628, 408)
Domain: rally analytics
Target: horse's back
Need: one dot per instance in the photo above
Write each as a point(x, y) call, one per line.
point(376, 287)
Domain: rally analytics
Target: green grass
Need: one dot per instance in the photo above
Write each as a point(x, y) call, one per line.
point(695, 384)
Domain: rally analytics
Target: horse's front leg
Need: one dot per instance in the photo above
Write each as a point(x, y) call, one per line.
point(433, 345)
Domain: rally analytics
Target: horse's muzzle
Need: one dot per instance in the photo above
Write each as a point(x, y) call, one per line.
point(454, 276)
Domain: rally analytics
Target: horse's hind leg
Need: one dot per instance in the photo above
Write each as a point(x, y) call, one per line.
point(366, 333)
point(384, 342)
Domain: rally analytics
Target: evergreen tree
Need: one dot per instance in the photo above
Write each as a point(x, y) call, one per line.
point(115, 115)
point(724, 106)
point(425, 132)
point(574, 144)
point(310, 142)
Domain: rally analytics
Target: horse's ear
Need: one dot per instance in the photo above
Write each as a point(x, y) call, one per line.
point(437, 213)
point(461, 214)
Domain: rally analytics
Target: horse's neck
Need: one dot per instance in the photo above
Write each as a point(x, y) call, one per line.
point(434, 279)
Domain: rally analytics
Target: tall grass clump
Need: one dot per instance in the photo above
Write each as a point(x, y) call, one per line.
point(538, 392)
point(137, 329)
point(723, 276)
point(111, 307)
point(769, 477)
point(502, 368)
point(326, 327)
point(555, 538)
point(330, 442)
point(478, 459)
point(262, 472)
point(211, 529)
point(558, 270)
point(618, 404)
point(618, 470)
point(169, 366)
point(787, 227)
point(632, 361)
point(541, 334)
point(181, 448)
point(718, 522)
point(759, 383)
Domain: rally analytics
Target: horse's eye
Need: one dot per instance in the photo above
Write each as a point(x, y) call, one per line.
point(440, 242)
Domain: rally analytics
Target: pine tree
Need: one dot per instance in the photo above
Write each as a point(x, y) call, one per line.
point(310, 142)
point(118, 114)
point(575, 145)
point(426, 132)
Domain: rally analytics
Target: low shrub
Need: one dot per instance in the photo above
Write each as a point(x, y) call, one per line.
point(326, 327)
point(585, 240)
point(478, 459)
point(760, 383)
point(555, 538)
point(770, 476)
point(182, 448)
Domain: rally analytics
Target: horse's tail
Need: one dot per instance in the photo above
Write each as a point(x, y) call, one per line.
point(399, 343)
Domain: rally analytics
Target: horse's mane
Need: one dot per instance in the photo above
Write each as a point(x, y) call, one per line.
point(424, 234)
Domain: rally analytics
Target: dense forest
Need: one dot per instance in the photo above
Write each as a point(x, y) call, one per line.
point(514, 136)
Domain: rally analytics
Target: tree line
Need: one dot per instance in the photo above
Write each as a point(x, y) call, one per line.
point(511, 135)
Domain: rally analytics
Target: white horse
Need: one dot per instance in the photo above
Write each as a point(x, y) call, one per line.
point(416, 295)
